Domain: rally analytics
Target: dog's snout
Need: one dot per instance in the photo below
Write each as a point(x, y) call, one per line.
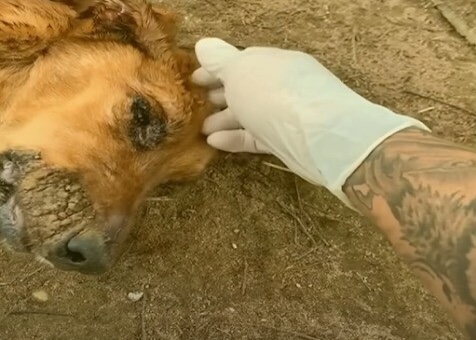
point(90, 251)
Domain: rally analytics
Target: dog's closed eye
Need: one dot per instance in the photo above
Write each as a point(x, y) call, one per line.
point(147, 126)
point(141, 111)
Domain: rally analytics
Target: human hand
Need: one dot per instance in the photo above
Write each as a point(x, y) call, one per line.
point(286, 103)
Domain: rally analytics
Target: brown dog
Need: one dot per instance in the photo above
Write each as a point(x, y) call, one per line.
point(100, 93)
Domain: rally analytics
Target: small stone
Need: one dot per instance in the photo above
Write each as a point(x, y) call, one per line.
point(40, 296)
point(236, 231)
point(135, 296)
point(298, 285)
point(234, 246)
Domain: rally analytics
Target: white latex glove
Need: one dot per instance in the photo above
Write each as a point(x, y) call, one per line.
point(287, 104)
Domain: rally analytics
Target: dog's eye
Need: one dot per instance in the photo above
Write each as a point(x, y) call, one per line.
point(140, 111)
point(148, 126)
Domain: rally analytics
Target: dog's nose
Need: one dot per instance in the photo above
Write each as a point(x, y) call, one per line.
point(86, 252)
point(89, 252)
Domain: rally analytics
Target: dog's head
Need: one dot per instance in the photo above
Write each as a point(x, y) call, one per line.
point(98, 114)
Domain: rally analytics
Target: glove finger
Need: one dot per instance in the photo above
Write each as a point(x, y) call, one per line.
point(220, 121)
point(236, 141)
point(214, 54)
point(203, 78)
point(217, 98)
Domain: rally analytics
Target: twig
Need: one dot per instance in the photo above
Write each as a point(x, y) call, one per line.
point(309, 219)
point(440, 101)
point(328, 217)
point(411, 24)
point(427, 109)
point(363, 281)
point(243, 283)
point(298, 195)
point(27, 312)
point(145, 286)
point(223, 331)
point(460, 26)
point(299, 221)
point(159, 199)
point(26, 277)
point(296, 238)
point(31, 274)
point(309, 252)
point(285, 331)
point(271, 165)
point(354, 44)
point(143, 325)
point(307, 215)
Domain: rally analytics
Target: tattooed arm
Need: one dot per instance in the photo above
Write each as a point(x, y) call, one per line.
point(420, 191)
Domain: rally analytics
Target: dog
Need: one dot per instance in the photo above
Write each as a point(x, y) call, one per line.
point(96, 108)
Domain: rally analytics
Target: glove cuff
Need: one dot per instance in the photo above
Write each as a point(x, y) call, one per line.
point(361, 139)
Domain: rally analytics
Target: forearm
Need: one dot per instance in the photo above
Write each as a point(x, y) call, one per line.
point(420, 191)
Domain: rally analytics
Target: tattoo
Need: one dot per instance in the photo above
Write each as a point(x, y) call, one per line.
point(421, 191)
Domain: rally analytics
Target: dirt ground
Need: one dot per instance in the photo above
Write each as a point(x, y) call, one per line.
point(226, 257)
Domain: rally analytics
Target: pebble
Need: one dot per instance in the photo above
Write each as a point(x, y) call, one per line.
point(135, 296)
point(40, 296)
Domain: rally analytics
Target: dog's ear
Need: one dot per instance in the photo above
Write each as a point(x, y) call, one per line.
point(78, 5)
point(165, 20)
point(139, 22)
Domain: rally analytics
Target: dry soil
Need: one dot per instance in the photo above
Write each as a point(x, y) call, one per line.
point(226, 257)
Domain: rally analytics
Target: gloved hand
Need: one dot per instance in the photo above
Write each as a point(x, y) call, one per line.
point(287, 104)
